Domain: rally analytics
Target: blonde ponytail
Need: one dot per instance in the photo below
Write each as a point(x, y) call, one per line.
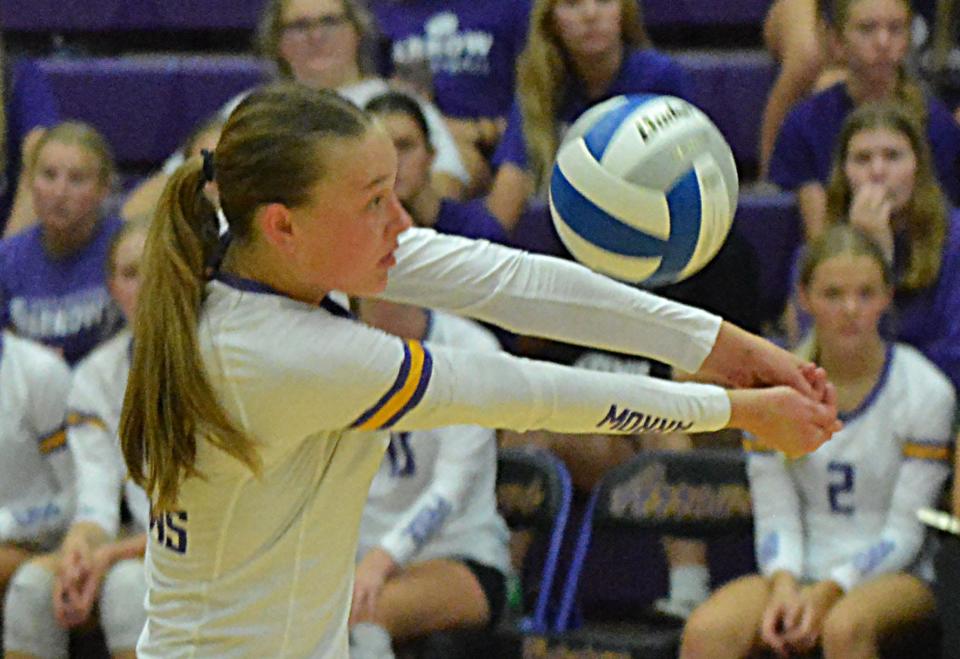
point(169, 401)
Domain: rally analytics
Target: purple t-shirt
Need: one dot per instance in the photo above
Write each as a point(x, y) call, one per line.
point(63, 303)
point(929, 320)
point(472, 48)
point(28, 102)
point(804, 149)
point(470, 219)
point(643, 71)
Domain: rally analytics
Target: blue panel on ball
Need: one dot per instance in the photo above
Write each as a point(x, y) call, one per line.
point(596, 226)
point(600, 134)
point(684, 203)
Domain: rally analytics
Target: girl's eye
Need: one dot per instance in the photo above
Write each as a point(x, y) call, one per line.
point(377, 201)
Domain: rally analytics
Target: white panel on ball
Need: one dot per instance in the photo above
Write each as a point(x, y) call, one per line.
point(644, 189)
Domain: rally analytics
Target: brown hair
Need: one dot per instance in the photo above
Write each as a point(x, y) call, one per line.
point(837, 240)
point(836, 13)
point(270, 151)
point(270, 29)
point(543, 73)
point(86, 137)
point(926, 212)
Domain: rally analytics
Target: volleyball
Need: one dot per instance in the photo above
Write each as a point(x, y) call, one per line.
point(644, 189)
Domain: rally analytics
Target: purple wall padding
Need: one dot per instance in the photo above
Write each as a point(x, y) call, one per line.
point(731, 87)
point(107, 15)
point(678, 13)
point(146, 106)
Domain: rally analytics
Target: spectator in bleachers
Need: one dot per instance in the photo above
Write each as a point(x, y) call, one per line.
point(97, 575)
point(432, 552)
point(464, 53)
point(845, 563)
point(329, 44)
point(883, 183)
point(578, 53)
point(795, 35)
point(27, 106)
point(873, 37)
point(36, 471)
point(52, 276)
point(142, 200)
point(403, 120)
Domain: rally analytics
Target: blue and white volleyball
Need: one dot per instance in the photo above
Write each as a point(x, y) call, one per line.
point(644, 189)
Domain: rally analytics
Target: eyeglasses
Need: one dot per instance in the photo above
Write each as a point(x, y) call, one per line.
point(303, 27)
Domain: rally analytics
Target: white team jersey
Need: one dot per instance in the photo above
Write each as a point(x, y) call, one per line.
point(435, 493)
point(252, 566)
point(93, 419)
point(36, 470)
point(848, 511)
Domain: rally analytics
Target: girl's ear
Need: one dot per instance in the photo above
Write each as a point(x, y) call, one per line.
point(276, 225)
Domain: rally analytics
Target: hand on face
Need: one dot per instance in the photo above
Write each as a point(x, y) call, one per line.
point(870, 212)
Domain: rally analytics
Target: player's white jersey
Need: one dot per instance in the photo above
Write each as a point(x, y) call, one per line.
point(93, 418)
point(263, 566)
point(36, 470)
point(848, 511)
point(435, 493)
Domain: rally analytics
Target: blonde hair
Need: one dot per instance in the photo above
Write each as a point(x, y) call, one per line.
point(270, 151)
point(87, 138)
point(926, 211)
point(837, 240)
point(270, 29)
point(543, 74)
point(908, 91)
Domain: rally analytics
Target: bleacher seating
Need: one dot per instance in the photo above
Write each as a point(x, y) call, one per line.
point(700, 494)
point(118, 15)
point(110, 15)
point(146, 103)
point(731, 87)
point(686, 13)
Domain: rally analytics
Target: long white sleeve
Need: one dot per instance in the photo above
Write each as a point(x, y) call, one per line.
point(918, 486)
point(544, 296)
point(46, 381)
point(99, 477)
point(459, 460)
point(502, 391)
point(778, 528)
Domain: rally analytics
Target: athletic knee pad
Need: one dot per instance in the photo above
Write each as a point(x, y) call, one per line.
point(122, 615)
point(29, 625)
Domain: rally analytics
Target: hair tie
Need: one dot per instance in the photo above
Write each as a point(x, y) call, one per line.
point(208, 171)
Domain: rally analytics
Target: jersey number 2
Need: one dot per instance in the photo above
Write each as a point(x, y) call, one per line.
point(841, 484)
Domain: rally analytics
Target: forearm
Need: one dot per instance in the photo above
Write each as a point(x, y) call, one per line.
point(129, 548)
point(498, 390)
point(30, 522)
point(903, 535)
point(543, 296)
point(464, 453)
point(778, 530)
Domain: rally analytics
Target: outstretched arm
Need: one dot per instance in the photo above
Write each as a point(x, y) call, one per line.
point(544, 296)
